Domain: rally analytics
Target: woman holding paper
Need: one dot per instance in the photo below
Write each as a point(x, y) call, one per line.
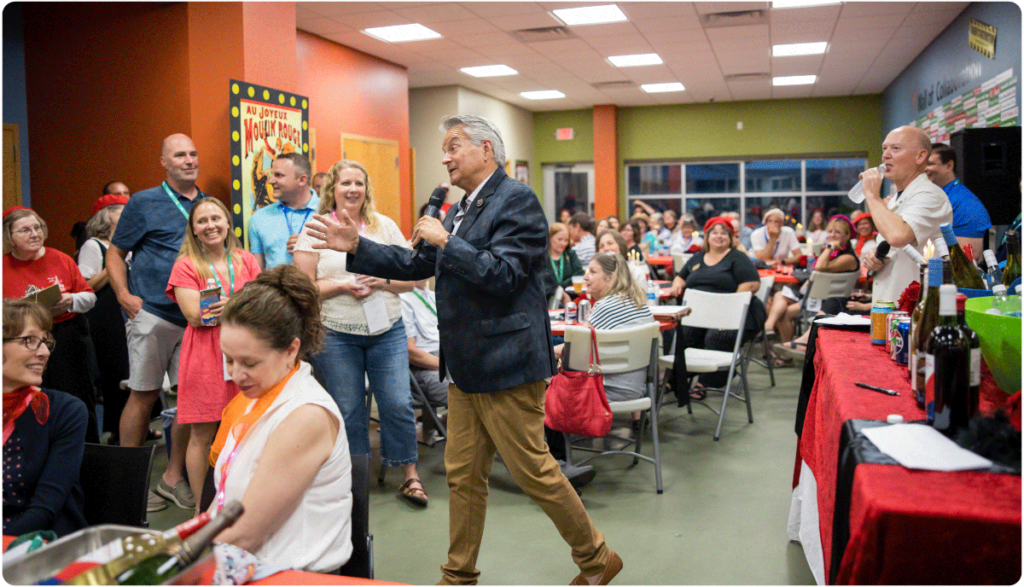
point(210, 250)
point(31, 268)
point(365, 335)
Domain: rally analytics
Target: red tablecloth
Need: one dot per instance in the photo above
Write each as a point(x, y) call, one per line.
point(841, 359)
point(664, 261)
point(786, 279)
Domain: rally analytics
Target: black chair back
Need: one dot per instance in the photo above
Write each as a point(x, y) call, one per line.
point(115, 481)
point(361, 562)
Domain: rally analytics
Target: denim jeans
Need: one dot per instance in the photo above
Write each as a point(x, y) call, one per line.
point(384, 359)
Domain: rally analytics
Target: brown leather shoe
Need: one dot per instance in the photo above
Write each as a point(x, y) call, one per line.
point(607, 574)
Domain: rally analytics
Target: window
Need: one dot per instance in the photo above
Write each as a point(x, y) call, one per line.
point(706, 189)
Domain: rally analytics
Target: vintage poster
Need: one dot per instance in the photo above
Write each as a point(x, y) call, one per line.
point(264, 124)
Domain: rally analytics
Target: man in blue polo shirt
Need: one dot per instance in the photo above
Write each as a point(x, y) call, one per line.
point(274, 228)
point(151, 228)
point(970, 218)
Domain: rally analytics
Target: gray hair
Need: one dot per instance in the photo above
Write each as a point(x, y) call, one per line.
point(99, 226)
point(478, 129)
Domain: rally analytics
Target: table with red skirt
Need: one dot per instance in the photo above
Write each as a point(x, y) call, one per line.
point(870, 521)
point(283, 578)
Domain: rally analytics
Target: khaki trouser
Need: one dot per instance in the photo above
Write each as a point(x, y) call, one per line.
point(511, 421)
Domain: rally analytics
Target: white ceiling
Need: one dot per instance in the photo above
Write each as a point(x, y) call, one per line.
point(870, 43)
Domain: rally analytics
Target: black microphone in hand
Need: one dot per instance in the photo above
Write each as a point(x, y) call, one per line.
point(880, 253)
point(433, 210)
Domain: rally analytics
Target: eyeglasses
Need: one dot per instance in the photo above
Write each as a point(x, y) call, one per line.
point(29, 230)
point(32, 342)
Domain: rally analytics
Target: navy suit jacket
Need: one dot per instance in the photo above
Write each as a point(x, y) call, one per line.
point(491, 309)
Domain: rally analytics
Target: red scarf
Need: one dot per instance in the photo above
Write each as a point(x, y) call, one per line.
point(16, 402)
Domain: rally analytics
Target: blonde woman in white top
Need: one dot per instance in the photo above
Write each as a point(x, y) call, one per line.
point(280, 448)
point(365, 335)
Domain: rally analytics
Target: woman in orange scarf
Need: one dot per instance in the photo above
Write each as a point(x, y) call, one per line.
point(44, 431)
point(865, 234)
point(279, 449)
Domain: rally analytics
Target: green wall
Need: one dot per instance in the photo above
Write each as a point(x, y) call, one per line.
point(692, 131)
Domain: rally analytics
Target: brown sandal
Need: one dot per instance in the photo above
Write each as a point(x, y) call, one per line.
point(414, 495)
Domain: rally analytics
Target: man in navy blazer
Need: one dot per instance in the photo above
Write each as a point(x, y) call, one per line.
point(489, 257)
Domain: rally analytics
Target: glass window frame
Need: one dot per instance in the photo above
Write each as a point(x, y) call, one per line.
point(742, 194)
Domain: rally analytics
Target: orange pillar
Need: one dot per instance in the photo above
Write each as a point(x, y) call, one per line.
point(606, 161)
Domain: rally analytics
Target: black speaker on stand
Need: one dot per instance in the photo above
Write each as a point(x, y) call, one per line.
point(988, 163)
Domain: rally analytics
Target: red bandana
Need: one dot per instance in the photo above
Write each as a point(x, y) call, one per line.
point(16, 402)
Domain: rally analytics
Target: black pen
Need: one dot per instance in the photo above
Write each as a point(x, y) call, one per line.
point(878, 389)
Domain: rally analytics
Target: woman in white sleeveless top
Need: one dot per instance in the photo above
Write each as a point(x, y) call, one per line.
point(281, 449)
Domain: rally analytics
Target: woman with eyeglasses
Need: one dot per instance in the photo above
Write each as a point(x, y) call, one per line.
point(30, 267)
point(44, 431)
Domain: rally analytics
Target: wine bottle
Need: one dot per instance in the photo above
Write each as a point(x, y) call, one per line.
point(941, 249)
point(974, 342)
point(117, 556)
point(947, 368)
point(992, 268)
point(938, 274)
point(167, 564)
point(964, 272)
point(915, 320)
point(1012, 271)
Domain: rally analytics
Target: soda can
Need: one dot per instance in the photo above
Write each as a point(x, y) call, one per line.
point(570, 314)
point(878, 312)
point(901, 341)
point(890, 329)
point(583, 311)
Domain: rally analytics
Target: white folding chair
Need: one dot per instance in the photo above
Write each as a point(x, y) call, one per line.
point(719, 312)
point(621, 351)
point(822, 286)
point(678, 260)
point(762, 294)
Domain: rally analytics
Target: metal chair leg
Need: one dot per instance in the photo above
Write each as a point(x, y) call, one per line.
point(721, 414)
point(769, 362)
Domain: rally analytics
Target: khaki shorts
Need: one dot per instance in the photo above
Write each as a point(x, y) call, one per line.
point(153, 348)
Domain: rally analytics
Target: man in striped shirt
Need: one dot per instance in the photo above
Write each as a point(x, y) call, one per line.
point(581, 231)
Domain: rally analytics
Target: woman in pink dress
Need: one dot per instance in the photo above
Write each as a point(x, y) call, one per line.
point(210, 251)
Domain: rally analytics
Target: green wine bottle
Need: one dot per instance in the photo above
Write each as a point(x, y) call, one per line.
point(964, 273)
point(1012, 271)
point(169, 563)
point(938, 274)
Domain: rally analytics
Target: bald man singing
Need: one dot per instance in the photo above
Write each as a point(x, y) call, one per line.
point(151, 228)
point(911, 215)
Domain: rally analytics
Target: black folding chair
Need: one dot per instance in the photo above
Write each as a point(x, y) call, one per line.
point(361, 562)
point(115, 481)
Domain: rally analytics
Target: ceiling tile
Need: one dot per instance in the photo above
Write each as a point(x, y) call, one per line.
point(890, 9)
point(954, 7)
point(657, 10)
point(497, 9)
point(802, 65)
point(805, 14)
point(802, 32)
point(672, 36)
point(873, 24)
point(624, 45)
point(323, 26)
point(758, 32)
point(516, 22)
point(753, 90)
point(787, 92)
point(713, 7)
point(426, 14)
point(459, 29)
point(668, 23)
point(611, 29)
point(365, 20)
point(338, 8)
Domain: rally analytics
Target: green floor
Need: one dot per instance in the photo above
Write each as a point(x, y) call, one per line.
point(721, 521)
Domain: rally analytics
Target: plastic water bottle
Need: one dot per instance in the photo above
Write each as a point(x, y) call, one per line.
point(1003, 303)
point(993, 274)
point(856, 194)
point(652, 293)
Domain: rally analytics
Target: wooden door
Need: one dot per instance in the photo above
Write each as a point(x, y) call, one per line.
point(380, 157)
point(12, 166)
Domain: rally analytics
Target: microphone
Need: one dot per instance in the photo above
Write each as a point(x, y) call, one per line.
point(880, 253)
point(436, 201)
point(437, 198)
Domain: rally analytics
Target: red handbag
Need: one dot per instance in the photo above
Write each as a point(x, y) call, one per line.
point(575, 402)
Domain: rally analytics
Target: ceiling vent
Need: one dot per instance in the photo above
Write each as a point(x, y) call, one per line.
point(729, 19)
point(550, 33)
point(747, 77)
point(619, 85)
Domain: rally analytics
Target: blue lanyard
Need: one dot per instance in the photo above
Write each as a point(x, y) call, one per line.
point(287, 220)
point(174, 199)
point(231, 272)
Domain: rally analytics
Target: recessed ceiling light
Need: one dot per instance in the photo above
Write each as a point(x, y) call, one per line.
point(635, 60)
point(590, 15)
point(542, 95)
point(402, 33)
point(802, 3)
point(798, 49)
point(668, 87)
point(489, 70)
point(794, 80)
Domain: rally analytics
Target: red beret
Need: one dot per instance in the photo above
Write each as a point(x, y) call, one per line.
point(726, 222)
point(108, 200)
point(862, 216)
point(13, 208)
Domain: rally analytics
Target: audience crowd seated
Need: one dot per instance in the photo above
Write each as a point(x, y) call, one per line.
point(273, 395)
point(44, 431)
